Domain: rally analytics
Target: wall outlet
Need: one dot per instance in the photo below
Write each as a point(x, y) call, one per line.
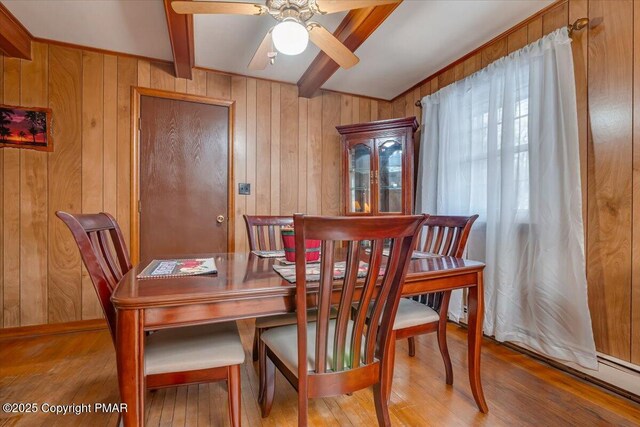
point(244, 189)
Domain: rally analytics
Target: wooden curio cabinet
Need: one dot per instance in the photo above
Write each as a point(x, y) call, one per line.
point(377, 167)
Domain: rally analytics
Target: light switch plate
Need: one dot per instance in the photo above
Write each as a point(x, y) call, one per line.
point(244, 189)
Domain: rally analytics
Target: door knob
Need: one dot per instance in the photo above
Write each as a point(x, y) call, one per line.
point(220, 219)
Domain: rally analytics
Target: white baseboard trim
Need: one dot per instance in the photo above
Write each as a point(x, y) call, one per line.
point(620, 374)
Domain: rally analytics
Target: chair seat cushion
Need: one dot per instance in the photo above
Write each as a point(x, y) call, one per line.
point(192, 348)
point(288, 319)
point(283, 341)
point(412, 313)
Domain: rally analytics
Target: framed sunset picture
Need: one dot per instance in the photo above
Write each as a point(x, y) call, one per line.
point(22, 127)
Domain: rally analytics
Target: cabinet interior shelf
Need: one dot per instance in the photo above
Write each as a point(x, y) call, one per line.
point(391, 169)
point(377, 166)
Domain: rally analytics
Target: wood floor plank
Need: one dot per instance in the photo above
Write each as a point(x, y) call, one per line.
point(179, 414)
point(192, 406)
point(203, 405)
point(80, 368)
point(168, 407)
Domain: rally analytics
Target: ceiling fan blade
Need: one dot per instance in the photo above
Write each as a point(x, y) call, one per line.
point(330, 45)
point(333, 6)
point(218, 7)
point(261, 58)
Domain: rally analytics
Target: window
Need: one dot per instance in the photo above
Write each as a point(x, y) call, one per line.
point(488, 150)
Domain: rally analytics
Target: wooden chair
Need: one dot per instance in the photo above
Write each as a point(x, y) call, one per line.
point(264, 235)
point(340, 355)
point(264, 231)
point(442, 235)
point(177, 356)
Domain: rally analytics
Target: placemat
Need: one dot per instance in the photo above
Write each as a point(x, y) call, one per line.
point(269, 254)
point(283, 261)
point(414, 255)
point(288, 272)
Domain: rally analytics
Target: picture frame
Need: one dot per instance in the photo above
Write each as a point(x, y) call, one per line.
point(25, 127)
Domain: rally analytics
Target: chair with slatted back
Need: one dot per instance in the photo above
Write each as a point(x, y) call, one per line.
point(264, 231)
point(344, 354)
point(177, 356)
point(446, 236)
point(264, 235)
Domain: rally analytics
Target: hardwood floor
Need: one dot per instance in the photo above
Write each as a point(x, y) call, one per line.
point(80, 368)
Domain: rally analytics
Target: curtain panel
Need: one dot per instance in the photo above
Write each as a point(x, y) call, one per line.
point(503, 143)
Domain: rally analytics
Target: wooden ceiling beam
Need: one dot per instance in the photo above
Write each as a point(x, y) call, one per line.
point(181, 37)
point(354, 29)
point(15, 40)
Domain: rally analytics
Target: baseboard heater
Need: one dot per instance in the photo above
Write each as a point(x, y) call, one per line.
point(615, 375)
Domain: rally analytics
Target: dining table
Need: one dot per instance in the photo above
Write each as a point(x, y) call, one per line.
point(246, 286)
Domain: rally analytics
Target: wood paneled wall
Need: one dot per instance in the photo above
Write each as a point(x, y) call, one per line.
point(285, 146)
point(608, 95)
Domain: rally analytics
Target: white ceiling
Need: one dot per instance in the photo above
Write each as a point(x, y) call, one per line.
point(138, 27)
point(418, 39)
point(423, 36)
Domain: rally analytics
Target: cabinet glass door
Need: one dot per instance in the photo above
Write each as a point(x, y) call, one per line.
point(390, 175)
point(360, 178)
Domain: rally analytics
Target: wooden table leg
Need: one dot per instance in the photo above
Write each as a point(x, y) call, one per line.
point(130, 359)
point(476, 316)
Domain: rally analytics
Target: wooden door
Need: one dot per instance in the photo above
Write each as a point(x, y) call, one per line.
point(183, 173)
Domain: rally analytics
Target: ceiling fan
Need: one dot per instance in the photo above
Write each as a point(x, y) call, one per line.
point(294, 29)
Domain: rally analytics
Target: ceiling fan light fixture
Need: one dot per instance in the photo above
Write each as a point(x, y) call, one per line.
point(290, 37)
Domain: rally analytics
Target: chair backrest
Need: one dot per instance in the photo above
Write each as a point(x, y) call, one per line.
point(354, 346)
point(264, 231)
point(445, 235)
point(104, 254)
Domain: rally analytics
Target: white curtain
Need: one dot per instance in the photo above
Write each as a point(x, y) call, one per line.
point(503, 143)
